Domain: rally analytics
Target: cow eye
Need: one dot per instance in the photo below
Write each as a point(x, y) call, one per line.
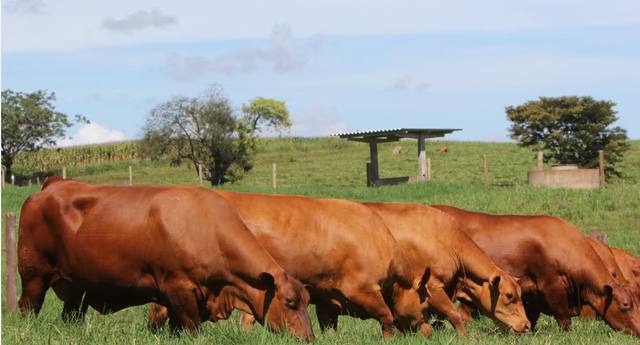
point(289, 303)
point(625, 306)
point(509, 296)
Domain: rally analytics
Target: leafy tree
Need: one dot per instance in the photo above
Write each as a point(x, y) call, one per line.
point(206, 131)
point(263, 113)
point(570, 130)
point(29, 123)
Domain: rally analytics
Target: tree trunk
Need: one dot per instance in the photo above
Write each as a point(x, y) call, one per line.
point(7, 162)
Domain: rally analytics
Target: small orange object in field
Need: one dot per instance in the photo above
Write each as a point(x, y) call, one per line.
point(444, 149)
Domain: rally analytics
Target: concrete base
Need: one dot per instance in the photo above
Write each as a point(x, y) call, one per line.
point(569, 178)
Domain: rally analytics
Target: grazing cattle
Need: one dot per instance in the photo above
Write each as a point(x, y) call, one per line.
point(606, 255)
point(431, 238)
point(558, 270)
point(124, 246)
point(630, 266)
point(341, 249)
point(626, 265)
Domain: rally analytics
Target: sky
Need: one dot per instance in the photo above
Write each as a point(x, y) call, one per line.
point(338, 65)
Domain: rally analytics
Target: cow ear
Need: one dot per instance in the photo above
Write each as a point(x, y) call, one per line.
point(425, 277)
point(422, 288)
point(495, 280)
point(608, 292)
point(268, 280)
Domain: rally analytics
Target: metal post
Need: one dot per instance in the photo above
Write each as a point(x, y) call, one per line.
point(200, 173)
point(64, 172)
point(422, 159)
point(130, 176)
point(373, 151)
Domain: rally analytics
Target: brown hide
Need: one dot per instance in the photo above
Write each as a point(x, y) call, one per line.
point(341, 249)
point(431, 238)
point(125, 246)
point(630, 266)
point(558, 270)
point(606, 255)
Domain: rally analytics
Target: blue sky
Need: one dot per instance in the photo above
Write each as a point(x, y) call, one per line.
point(340, 66)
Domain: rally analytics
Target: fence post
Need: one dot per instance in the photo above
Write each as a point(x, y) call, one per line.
point(540, 164)
point(485, 175)
point(38, 180)
point(2, 177)
point(10, 252)
point(130, 176)
point(64, 173)
point(429, 169)
point(273, 175)
point(200, 173)
point(13, 179)
point(601, 168)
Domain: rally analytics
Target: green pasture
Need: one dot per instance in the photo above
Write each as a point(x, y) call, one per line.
point(335, 168)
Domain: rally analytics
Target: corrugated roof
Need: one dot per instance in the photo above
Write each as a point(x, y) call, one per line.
point(398, 132)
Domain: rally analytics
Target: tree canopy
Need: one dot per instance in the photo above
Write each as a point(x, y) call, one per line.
point(206, 131)
point(29, 123)
point(570, 130)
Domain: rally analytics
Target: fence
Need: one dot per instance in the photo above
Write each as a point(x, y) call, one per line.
point(336, 163)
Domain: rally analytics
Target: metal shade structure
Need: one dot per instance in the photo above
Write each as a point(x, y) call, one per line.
point(395, 134)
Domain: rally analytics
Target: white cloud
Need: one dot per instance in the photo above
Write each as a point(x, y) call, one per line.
point(92, 133)
point(210, 20)
point(318, 121)
point(408, 83)
point(284, 55)
point(139, 20)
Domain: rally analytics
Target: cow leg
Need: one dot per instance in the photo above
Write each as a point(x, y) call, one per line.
point(158, 316)
point(557, 299)
point(533, 314)
point(247, 321)
point(372, 303)
point(184, 308)
point(441, 302)
point(467, 311)
point(327, 314)
point(71, 295)
point(34, 288)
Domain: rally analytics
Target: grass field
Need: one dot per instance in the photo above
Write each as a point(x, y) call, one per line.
point(335, 168)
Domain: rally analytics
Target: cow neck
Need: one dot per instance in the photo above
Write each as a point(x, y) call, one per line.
point(608, 259)
point(250, 299)
point(593, 281)
point(474, 266)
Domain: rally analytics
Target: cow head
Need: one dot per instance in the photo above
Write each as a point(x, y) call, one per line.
point(286, 305)
point(410, 304)
point(501, 299)
point(619, 307)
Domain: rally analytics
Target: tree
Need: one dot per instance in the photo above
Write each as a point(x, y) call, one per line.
point(263, 112)
point(206, 131)
point(29, 123)
point(570, 130)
